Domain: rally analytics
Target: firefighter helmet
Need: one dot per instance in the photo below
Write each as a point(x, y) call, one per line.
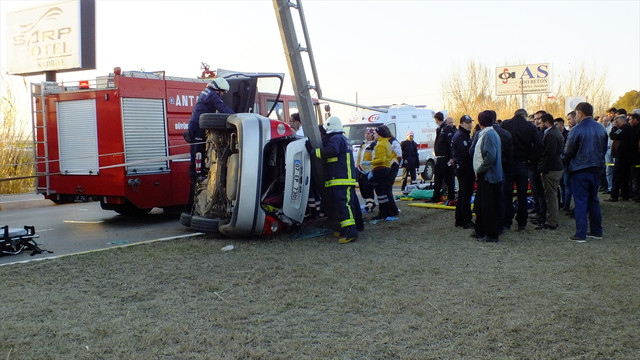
point(219, 84)
point(333, 125)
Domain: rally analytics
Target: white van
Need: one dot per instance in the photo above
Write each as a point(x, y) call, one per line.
point(400, 119)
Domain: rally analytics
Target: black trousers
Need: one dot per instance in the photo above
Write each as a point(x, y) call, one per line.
point(486, 206)
point(443, 172)
point(390, 180)
point(621, 175)
point(466, 179)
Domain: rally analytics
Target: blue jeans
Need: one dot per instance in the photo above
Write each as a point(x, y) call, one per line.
point(568, 193)
point(609, 170)
point(584, 184)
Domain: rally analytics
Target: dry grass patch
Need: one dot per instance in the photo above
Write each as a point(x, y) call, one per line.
point(416, 288)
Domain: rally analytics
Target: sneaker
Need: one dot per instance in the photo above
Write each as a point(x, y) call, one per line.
point(577, 239)
point(594, 236)
point(346, 240)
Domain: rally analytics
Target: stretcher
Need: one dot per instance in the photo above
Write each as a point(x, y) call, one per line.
point(14, 240)
point(432, 205)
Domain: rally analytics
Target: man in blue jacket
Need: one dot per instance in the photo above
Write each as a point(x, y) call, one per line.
point(584, 157)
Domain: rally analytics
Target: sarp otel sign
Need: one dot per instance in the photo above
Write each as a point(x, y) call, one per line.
point(523, 79)
point(54, 37)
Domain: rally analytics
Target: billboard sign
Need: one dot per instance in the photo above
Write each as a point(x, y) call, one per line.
point(523, 79)
point(54, 37)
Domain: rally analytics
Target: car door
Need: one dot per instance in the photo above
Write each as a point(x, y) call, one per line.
point(297, 180)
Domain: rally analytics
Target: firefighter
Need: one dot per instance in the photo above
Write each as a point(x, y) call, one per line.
point(209, 101)
point(340, 179)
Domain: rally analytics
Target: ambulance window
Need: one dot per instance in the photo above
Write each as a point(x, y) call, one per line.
point(392, 127)
point(355, 133)
point(278, 112)
point(293, 107)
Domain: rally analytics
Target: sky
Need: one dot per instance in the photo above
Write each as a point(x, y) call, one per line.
point(375, 52)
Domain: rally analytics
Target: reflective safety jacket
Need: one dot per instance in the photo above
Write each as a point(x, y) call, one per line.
point(382, 154)
point(337, 154)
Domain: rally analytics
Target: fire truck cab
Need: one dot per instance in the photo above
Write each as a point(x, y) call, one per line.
point(120, 139)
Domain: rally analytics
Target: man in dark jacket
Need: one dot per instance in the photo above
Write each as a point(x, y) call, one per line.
point(462, 163)
point(442, 150)
point(527, 147)
point(584, 158)
point(634, 120)
point(340, 173)
point(410, 160)
point(506, 199)
point(623, 151)
point(550, 165)
point(209, 101)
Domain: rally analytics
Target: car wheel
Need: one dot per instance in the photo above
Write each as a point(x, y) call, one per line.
point(429, 168)
point(213, 121)
point(206, 225)
point(185, 219)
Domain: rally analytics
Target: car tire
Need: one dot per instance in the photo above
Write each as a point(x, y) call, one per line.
point(205, 225)
point(214, 121)
point(185, 219)
point(429, 168)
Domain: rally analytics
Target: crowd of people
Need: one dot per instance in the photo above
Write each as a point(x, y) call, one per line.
point(548, 162)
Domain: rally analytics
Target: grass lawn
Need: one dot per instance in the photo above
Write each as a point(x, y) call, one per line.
point(415, 288)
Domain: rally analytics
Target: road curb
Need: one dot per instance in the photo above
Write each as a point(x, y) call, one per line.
point(23, 201)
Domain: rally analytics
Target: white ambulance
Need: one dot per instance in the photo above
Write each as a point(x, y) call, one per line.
point(400, 119)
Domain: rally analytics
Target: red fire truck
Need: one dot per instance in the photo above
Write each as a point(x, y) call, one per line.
point(120, 139)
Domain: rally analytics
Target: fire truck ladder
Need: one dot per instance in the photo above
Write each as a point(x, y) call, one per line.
point(293, 51)
point(39, 124)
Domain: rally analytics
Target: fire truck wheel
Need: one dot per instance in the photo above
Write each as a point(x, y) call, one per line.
point(213, 121)
point(128, 209)
point(429, 168)
point(202, 224)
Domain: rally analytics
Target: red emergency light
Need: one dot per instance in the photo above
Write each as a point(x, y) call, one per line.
point(84, 84)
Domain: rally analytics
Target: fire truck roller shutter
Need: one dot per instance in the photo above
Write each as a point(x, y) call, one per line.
point(214, 121)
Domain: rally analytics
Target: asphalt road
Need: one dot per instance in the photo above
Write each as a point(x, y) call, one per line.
point(84, 227)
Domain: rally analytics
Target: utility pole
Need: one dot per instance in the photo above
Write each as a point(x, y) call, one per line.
point(293, 51)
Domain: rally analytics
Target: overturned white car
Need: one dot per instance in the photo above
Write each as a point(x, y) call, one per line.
point(258, 177)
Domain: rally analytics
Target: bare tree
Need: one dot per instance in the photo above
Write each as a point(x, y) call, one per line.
point(472, 91)
point(16, 159)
